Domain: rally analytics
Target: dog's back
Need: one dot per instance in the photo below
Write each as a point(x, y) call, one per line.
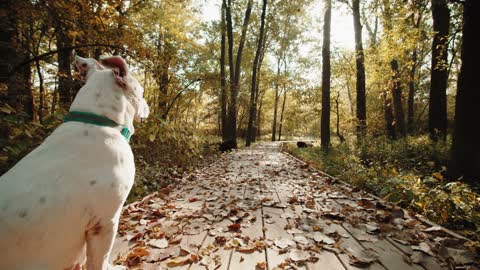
point(44, 199)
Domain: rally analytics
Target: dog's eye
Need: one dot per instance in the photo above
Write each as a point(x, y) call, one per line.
point(84, 65)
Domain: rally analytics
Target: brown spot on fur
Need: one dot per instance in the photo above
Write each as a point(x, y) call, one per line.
point(98, 94)
point(93, 182)
point(97, 228)
point(42, 200)
point(121, 160)
point(85, 133)
point(113, 185)
point(115, 108)
point(23, 213)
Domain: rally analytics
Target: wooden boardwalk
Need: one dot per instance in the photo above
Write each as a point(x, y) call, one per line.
point(261, 209)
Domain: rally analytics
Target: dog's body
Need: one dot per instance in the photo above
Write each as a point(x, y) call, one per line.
point(63, 200)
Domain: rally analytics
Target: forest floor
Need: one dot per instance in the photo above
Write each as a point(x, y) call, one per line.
point(259, 208)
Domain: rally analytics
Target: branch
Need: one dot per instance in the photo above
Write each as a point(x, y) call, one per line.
point(51, 53)
point(458, 1)
point(178, 95)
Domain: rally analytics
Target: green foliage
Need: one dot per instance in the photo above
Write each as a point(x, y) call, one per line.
point(407, 172)
point(20, 137)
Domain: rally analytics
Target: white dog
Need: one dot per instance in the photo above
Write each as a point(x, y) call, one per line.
point(63, 200)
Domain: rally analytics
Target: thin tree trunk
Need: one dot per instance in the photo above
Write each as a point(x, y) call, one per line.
point(275, 102)
point(360, 64)
point(281, 114)
point(259, 116)
point(223, 79)
point(42, 92)
point(253, 91)
point(437, 113)
point(325, 124)
point(411, 92)
point(397, 99)
point(55, 96)
point(337, 110)
point(465, 158)
point(390, 127)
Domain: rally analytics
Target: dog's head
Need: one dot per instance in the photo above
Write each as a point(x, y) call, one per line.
point(120, 72)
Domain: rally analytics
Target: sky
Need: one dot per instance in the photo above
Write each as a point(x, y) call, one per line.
point(342, 23)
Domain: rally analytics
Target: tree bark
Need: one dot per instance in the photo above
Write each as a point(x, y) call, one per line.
point(390, 127)
point(437, 113)
point(65, 80)
point(360, 64)
point(234, 85)
point(281, 114)
point(223, 79)
point(275, 101)
point(397, 99)
point(411, 92)
point(42, 92)
point(325, 124)
point(253, 91)
point(465, 158)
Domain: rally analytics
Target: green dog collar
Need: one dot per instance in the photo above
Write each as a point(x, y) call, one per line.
point(95, 119)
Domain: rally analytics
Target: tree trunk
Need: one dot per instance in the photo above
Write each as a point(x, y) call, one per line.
point(337, 110)
point(437, 113)
point(235, 72)
point(275, 102)
point(390, 127)
point(11, 55)
point(397, 99)
point(360, 64)
point(411, 92)
point(223, 79)
point(325, 124)
point(65, 80)
point(42, 92)
point(259, 116)
point(465, 158)
point(253, 91)
point(281, 114)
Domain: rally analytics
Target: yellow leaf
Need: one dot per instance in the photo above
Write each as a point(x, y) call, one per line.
point(438, 176)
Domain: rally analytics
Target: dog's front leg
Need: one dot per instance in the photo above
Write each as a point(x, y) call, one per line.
point(100, 237)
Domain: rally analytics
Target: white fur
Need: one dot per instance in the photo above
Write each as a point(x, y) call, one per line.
point(61, 203)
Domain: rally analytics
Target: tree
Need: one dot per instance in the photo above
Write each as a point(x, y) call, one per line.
point(397, 99)
point(360, 64)
point(235, 70)
point(437, 113)
point(223, 79)
point(325, 124)
point(465, 154)
point(253, 90)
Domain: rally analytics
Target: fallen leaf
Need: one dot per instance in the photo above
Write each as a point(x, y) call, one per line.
point(158, 243)
point(283, 243)
point(297, 255)
point(234, 227)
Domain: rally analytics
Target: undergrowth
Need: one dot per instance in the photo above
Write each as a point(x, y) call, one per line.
point(408, 172)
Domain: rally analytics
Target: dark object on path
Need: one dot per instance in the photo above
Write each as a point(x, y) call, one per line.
point(228, 146)
point(301, 144)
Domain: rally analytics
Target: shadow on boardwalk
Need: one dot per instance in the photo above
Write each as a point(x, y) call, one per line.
point(261, 209)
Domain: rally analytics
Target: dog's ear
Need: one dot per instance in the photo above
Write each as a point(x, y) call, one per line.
point(119, 67)
point(85, 66)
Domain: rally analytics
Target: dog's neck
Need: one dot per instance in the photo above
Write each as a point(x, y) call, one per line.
point(101, 95)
